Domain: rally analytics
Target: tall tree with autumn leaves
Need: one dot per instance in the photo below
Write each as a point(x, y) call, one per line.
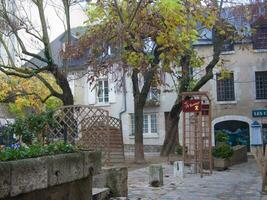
point(149, 38)
point(222, 32)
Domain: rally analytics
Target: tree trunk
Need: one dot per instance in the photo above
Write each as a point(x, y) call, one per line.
point(138, 120)
point(174, 116)
point(170, 138)
point(139, 103)
point(62, 81)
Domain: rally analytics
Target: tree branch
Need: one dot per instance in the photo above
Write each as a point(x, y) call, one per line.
point(49, 87)
point(45, 39)
point(7, 50)
point(22, 94)
point(134, 13)
point(15, 32)
point(136, 89)
point(118, 11)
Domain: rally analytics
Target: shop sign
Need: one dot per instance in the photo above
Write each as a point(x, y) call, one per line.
point(259, 113)
point(193, 105)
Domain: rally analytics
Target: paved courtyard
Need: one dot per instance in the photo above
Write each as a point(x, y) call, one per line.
point(240, 182)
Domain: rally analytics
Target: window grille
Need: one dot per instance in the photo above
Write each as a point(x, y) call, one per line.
point(261, 84)
point(225, 88)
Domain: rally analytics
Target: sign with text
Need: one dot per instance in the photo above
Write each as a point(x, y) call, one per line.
point(259, 113)
point(193, 105)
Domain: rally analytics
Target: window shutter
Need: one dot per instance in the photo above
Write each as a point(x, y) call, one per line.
point(71, 83)
point(91, 93)
point(112, 90)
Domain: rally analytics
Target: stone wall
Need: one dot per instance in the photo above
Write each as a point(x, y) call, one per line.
point(58, 177)
point(129, 148)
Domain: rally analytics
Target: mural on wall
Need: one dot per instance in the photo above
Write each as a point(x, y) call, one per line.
point(237, 132)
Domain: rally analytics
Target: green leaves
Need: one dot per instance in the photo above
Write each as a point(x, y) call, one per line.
point(223, 151)
point(95, 13)
point(31, 127)
point(172, 25)
point(36, 150)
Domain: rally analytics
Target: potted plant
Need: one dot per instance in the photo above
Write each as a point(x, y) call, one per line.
point(221, 154)
point(179, 150)
point(221, 137)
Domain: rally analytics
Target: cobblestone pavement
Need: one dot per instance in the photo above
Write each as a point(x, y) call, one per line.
point(240, 182)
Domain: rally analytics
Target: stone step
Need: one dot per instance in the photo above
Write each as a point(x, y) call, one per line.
point(101, 193)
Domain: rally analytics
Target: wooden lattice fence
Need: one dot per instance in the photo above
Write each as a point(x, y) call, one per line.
point(89, 127)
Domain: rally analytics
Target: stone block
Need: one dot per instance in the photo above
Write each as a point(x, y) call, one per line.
point(114, 178)
point(92, 162)
point(77, 190)
point(155, 175)
point(178, 169)
point(65, 168)
point(5, 180)
point(58, 177)
point(28, 175)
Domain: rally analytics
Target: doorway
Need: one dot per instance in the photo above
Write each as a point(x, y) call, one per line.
point(237, 131)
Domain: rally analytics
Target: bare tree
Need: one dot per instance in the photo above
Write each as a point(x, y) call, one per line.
point(18, 23)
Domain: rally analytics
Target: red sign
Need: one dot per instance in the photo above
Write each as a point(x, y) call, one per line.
point(193, 105)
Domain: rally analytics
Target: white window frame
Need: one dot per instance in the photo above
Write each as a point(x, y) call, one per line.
point(104, 89)
point(147, 129)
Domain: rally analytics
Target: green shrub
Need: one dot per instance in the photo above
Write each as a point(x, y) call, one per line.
point(36, 150)
point(30, 127)
point(179, 149)
point(221, 136)
point(223, 151)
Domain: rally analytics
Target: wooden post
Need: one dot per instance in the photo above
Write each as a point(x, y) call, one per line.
point(261, 159)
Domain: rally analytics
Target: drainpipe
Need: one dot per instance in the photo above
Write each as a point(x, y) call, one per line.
point(124, 109)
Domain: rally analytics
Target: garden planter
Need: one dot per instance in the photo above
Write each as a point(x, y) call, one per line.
point(239, 155)
point(221, 164)
point(63, 176)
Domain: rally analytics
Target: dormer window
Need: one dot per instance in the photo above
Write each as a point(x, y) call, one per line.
point(259, 33)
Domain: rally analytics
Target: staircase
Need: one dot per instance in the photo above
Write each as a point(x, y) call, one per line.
point(116, 146)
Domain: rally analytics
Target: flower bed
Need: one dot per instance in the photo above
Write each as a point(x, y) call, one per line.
point(16, 151)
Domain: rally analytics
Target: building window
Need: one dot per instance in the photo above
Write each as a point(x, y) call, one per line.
point(260, 38)
point(227, 46)
point(225, 88)
point(149, 123)
point(103, 91)
point(261, 84)
point(154, 123)
point(153, 94)
point(145, 124)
